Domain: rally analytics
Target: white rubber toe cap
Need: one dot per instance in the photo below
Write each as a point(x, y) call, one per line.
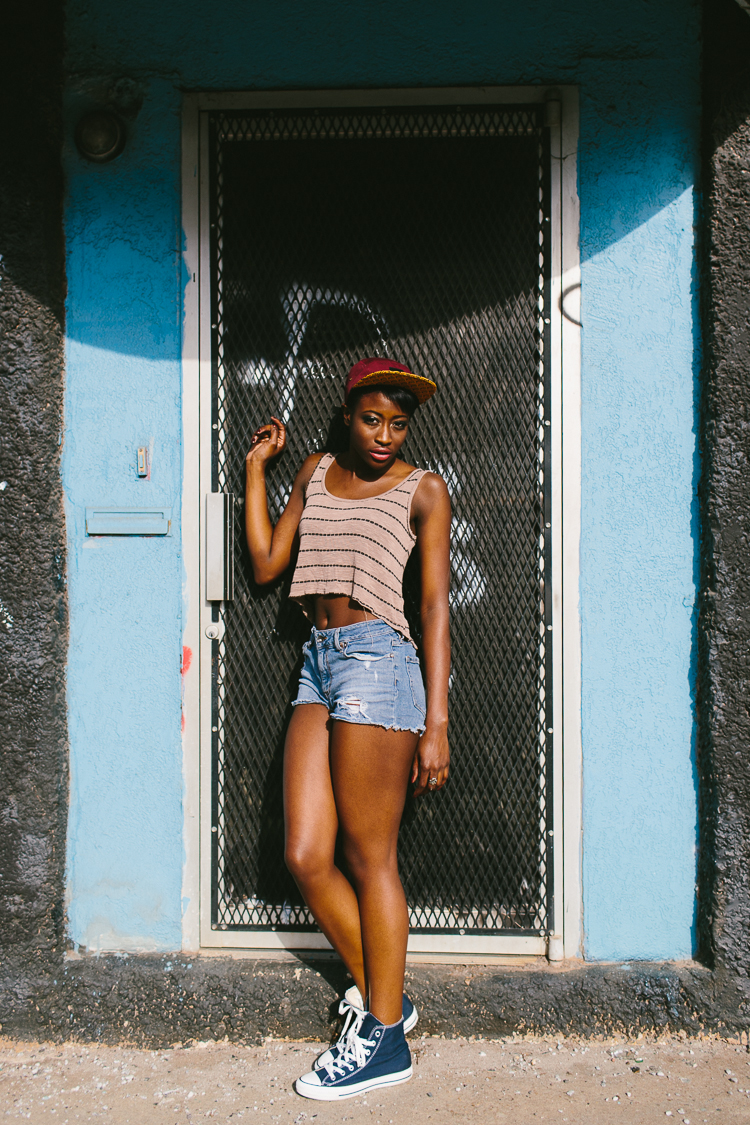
point(312, 1078)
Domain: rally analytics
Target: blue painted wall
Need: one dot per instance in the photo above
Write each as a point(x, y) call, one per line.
point(637, 69)
point(123, 391)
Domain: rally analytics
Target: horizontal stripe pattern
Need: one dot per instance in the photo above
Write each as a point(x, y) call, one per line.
point(358, 548)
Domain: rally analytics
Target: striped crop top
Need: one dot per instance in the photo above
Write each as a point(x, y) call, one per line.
point(356, 547)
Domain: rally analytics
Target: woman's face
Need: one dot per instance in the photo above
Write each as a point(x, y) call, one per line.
point(377, 429)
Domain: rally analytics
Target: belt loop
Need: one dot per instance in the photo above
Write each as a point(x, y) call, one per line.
point(336, 642)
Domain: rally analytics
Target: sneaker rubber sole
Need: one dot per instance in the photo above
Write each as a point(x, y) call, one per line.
point(339, 1093)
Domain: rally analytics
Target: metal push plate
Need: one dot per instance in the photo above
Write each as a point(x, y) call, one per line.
point(219, 546)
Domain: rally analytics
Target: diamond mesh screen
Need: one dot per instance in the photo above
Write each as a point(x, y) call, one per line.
point(422, 235)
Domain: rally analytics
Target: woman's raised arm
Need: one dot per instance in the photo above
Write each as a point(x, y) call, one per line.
point(271, 547)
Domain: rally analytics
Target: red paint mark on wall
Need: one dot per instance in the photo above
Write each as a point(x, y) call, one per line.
point(187, 660)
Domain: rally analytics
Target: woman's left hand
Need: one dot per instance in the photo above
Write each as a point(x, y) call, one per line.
point(431, 764)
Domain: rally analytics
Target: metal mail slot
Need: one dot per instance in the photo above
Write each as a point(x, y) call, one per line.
point(128, 521)
point(219, 547)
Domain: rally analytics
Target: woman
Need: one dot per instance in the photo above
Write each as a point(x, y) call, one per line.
point(360, 728)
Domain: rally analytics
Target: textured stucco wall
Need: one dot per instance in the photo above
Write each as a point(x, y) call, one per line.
point(637, 68)
point(33, 617)
point(725, 617)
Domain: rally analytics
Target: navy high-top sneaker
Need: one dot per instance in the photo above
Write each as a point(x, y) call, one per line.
point(350, 1008)
point(372, 1055)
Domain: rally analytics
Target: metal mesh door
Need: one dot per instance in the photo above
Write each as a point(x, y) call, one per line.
point(422, 235)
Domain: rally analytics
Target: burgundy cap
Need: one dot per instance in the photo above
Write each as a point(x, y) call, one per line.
point(373, 370)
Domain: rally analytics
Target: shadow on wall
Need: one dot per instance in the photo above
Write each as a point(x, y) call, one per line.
point(123, 229)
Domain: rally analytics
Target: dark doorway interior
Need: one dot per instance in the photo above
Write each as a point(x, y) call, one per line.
point(423, 235)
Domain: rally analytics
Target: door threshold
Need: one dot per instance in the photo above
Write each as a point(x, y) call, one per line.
point(514, 960)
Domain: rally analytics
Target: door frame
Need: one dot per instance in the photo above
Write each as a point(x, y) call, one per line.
point(565, 939)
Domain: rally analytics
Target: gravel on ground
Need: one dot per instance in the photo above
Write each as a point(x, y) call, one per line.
point(522, 1081)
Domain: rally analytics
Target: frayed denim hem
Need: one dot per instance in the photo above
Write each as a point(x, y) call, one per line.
point(364, 721)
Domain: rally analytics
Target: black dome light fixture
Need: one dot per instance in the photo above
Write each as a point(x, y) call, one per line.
point(100, 136)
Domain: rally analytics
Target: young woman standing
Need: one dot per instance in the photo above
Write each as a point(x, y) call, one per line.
point(361, 729)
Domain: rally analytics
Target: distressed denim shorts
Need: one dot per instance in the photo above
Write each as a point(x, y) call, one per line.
point(364, 673)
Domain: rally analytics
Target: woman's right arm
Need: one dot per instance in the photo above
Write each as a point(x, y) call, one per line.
point(271, 547)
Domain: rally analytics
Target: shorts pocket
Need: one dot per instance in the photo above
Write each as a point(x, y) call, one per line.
point(414, 672)
point(364, 654)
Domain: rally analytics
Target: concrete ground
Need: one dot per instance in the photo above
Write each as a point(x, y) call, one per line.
point(518, 1080)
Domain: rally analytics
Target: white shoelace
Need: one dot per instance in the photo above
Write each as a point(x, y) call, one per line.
point(353, 1014)
point(352, 1049)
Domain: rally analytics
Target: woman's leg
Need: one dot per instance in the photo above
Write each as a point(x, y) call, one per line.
point(370, 769)
point(311, 825)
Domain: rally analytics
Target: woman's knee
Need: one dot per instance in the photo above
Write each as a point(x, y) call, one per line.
point(306, 861)
point(366, 862)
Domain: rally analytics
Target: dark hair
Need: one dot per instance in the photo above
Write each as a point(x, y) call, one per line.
point(405, 400)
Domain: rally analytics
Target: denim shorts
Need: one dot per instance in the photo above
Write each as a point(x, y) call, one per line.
point(364, 673)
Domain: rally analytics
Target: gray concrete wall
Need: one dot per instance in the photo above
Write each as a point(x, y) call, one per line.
point(724, 674)
point(33, 617)
point(156, 1001)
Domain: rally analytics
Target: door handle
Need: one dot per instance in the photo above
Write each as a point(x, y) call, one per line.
point(219, 547)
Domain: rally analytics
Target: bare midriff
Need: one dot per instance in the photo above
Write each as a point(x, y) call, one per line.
point(334, 611)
